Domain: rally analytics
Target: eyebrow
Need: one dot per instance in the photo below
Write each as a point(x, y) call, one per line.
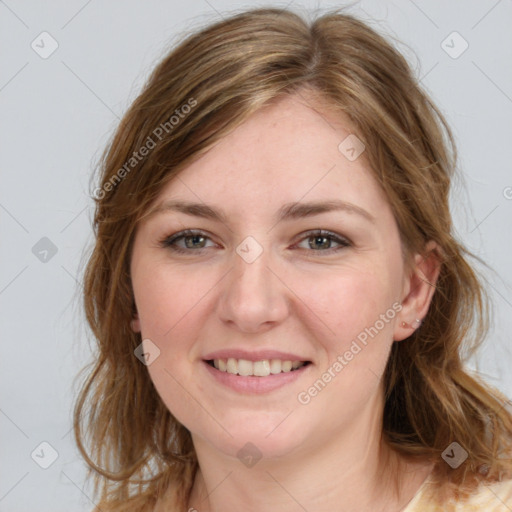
point(289, 211)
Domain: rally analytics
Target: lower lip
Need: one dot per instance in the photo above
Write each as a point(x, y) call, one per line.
point(256, 385)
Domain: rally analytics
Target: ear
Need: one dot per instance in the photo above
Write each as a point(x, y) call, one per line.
point(418, 290)
point(135, 323)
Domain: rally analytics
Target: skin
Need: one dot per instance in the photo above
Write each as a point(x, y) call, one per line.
point(297, 296)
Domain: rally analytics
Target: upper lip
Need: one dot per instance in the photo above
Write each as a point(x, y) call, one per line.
point(256, 355)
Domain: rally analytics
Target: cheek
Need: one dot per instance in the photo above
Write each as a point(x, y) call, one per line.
point(351, 302)
point(358, 316)
point(169, 303)
point(166, 297)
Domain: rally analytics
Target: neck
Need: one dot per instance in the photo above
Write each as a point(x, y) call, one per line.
point(356, 471)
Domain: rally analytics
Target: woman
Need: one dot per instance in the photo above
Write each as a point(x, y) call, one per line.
point(279, 302)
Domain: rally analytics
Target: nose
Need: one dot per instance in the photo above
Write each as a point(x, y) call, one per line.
point(253, 298)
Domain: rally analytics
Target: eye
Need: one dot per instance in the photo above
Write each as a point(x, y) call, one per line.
point(322, 241)
point(191, 240)
point(186, 241)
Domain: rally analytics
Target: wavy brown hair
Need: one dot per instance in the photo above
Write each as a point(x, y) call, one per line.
point(133, 445)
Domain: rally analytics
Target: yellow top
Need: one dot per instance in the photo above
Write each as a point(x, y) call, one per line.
point(495, 497)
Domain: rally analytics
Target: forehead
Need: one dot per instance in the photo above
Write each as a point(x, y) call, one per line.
point(285, 152)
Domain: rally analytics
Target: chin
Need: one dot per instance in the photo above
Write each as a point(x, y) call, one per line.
point(256, 437)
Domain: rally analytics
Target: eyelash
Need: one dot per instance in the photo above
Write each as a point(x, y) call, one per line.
point(170, 241)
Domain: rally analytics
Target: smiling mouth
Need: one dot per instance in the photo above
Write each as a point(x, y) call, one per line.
point(262, 368)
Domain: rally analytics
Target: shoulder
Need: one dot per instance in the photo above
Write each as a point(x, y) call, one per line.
point(489, 497)
point(495, 497)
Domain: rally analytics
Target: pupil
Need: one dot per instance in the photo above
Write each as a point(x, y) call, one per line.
point(318, 240)
point(191, 240)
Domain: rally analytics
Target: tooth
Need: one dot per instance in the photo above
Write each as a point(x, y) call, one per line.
point(286, 366)
point(244, 367)
point(261, 368)
point(232, 366)
point(258, 368)
point(275, 366)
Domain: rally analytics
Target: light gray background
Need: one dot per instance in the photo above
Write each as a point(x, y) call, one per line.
point(56, 116)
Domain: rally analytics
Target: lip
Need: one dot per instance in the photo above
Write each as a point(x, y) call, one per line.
point(252, 385)
point(257, 355)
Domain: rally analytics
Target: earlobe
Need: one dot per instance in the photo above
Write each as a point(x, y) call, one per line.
point(420, 289)
point(135, 323)
point(417, 322)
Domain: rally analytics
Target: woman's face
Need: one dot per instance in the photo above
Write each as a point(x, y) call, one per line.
point(256, 288)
